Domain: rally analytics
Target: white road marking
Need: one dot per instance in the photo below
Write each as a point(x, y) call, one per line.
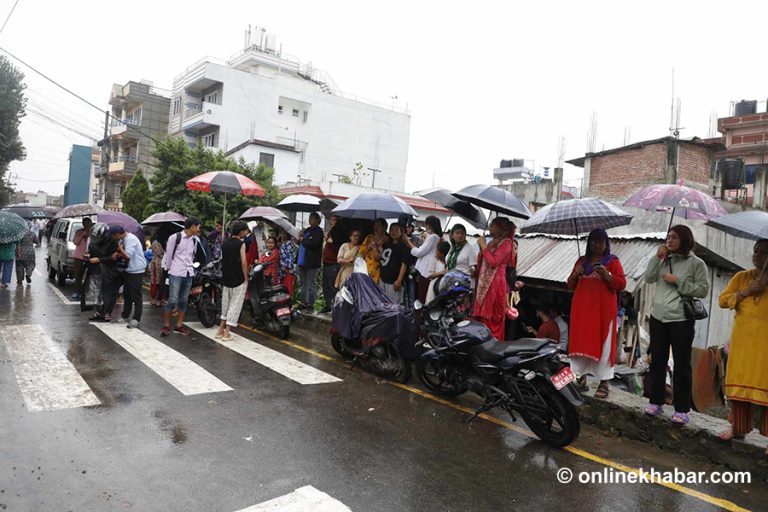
point(178, 370)
point(46, 378)
point(280, 363)
point(300, 500)
point(61, 296)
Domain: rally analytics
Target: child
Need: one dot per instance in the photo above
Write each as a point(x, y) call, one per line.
point(271, 261)
point(437, 269)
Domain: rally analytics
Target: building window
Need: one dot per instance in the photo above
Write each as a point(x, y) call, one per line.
point(279, 109)
point(176, 107)
point(212, 98)
point(268, 159)
point(306, 114)
point(208, 141)
point(118, 191)
point(295, 112)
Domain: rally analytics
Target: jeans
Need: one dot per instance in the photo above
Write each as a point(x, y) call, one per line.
point(678, 335)
point(329, 283)
point(308, 276)
point(7, 270)
point(79, 271)
point(178, 292)
point(132, 296)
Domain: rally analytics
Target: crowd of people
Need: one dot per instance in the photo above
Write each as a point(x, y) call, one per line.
point(406, 264)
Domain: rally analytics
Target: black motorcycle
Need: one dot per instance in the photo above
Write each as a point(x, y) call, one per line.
point(526, 376)
point(206, 291)
point(373, 331)
point(269, 305)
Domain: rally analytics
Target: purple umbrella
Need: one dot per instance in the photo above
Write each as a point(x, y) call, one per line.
point(693, 203)
point(163, 217)
point(121, 219)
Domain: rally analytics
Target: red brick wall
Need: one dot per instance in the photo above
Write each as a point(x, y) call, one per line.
point(695, 165)
point(616, 176)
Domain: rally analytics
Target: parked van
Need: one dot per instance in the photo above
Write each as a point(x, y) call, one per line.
point(61, 250)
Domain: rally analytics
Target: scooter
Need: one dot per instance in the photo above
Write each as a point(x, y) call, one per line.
point(270, 306)
point(206, 291)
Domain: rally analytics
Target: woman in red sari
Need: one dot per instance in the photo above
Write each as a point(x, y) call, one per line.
point(491, 298)
point(596, 279)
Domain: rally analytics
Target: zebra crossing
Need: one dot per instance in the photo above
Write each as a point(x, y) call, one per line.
point(48, 381)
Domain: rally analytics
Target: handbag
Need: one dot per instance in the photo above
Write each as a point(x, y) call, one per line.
point(693, 308)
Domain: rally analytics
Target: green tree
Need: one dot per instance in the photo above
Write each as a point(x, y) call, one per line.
point(177, 163)
point(12, 109)
point(136, 196)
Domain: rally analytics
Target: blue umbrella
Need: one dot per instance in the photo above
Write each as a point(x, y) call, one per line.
point(372, 206)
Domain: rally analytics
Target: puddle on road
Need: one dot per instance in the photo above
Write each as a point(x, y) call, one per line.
point(177, 433)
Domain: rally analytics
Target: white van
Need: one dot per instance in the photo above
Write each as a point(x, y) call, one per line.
point(61, 250)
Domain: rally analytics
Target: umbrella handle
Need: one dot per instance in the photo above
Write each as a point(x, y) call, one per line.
point(671, 219)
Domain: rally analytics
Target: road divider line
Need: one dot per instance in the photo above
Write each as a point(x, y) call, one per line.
point(272, 359)
point(63, 297)
point(304, 498)
point(288, 343)
point(176, 369)
point(46, 378)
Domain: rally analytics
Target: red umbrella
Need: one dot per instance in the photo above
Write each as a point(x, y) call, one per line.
point(227, 182)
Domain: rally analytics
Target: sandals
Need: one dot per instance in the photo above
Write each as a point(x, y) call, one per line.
point(653, 410)
point(727, 435)
point(602, 391)
point(227, 338)
point(96, 317)
point(680, 418)
point(581, 384)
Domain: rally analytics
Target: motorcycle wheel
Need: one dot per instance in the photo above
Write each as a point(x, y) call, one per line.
point(433, 374)
point(206, 309)
point(272, 323)
point(559, 425)
point(285, 332)
point(337, 345)
point(394, 366)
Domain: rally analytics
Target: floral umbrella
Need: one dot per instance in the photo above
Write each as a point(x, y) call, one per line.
point(227, 182)
point(688, 203)
point(12, 227)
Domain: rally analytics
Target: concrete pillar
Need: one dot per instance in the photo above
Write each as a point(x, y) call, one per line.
point(759, 199)
point(558, 188)
point(585, 179)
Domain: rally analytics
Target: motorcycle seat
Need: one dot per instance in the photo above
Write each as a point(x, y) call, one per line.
point(493, 351)
point(276, 289)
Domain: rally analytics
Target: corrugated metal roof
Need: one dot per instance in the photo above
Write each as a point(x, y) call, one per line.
point(552, 259)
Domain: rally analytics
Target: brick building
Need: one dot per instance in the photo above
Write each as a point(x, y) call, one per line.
point(615, 174)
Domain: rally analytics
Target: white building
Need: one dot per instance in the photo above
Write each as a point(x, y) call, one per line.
point(268, 107)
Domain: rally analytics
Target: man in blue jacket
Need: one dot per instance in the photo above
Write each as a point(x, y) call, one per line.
point(312, 242)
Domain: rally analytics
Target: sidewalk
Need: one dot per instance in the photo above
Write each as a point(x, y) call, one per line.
point(621, 415)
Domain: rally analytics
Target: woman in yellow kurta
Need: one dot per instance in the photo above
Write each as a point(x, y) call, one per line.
point(372, 247)
point(746, 378)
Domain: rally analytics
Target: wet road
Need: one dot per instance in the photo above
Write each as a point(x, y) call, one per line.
point(138, 422)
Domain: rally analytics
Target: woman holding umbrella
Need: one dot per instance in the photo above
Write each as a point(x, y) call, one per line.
point(596, 279)
point(677, 273)
point(746, 378)
point(491, 298)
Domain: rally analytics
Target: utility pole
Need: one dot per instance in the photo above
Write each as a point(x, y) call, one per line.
point(373, 179)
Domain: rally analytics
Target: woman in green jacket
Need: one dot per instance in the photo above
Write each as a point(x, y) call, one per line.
point(677, 273)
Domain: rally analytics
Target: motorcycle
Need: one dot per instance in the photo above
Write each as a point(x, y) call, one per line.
point(269, 305)
point(371, 330)
point(206, 291)
point(528, 376)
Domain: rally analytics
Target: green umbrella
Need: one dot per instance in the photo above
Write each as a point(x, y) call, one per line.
point(12, 227)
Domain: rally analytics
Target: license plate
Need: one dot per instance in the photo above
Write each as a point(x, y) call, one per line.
point(283, 311)
point(197, 290)
point(562, 378)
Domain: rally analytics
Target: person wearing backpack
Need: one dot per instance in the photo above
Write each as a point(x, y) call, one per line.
point(182, 251)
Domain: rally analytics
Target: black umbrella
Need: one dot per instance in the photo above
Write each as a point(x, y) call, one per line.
point(463, 209)
point(28, 211)
point(494, 199)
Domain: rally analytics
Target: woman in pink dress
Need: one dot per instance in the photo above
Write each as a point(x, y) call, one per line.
point(491, 298)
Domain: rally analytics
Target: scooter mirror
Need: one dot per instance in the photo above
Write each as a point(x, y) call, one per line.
point(417, 305)
point(196, 264)
point(258, 268)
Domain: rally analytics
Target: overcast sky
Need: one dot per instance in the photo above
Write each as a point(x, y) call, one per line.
point(484, 81)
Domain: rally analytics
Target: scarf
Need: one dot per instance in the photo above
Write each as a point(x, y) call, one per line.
point(453, 256)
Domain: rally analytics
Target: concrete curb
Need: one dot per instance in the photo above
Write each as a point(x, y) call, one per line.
point(621, 415)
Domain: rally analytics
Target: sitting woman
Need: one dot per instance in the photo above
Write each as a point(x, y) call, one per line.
point(746, 378)
point(271, 261)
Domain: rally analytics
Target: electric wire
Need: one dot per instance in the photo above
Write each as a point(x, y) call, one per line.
point(9, 16)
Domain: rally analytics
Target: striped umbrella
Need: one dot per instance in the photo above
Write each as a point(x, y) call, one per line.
point(576, 216)
point(227, 182)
